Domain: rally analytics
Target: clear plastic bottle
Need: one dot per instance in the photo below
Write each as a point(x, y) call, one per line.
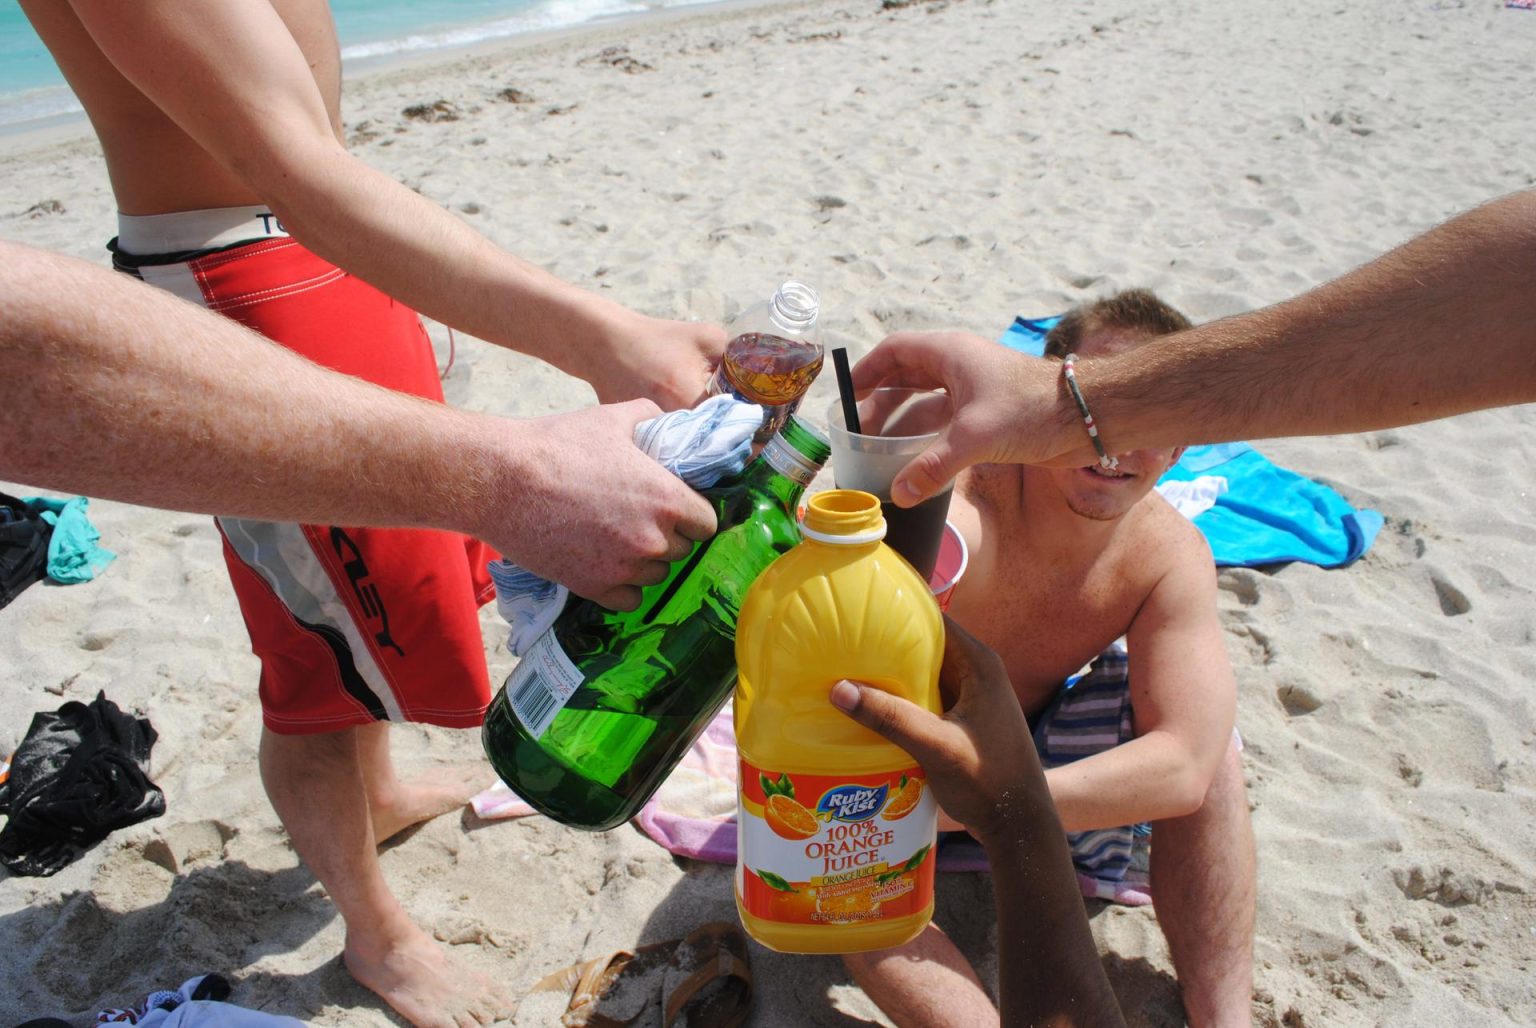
point(835, 825)
point(605, 703)
point(774, 355)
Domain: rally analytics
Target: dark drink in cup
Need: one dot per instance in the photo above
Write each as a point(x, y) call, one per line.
point(916, 532)
point(895, 425)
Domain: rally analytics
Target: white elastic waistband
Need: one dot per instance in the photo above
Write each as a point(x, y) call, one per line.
point(144, 234)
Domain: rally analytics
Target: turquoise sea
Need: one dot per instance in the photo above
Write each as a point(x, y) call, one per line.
point(31, 88)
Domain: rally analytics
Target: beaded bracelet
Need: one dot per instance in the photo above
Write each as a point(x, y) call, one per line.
point(1105, 460)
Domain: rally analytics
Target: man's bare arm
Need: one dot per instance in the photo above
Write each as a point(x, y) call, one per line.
point(187, 410)
point(233, 78)
point(1442, 325)
point(1185, 698)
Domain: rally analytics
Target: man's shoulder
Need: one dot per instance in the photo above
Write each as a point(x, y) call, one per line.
point(1157, 523)
point(1179, 616)
point(1165, 546)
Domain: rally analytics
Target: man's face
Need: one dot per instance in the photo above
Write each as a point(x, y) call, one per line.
point(1093, 492)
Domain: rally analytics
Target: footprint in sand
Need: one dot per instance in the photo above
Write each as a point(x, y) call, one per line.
point(1445, 886)
point(1242, 584)
point(1408, 530)
point(436, 111)
point(1347, 968)
point(1408, 771)
point(177, 846)
point(1297, 699)
point(1453, 602)
point(1256, 641)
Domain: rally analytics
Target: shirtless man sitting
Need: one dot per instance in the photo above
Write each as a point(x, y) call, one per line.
point(1065, 562)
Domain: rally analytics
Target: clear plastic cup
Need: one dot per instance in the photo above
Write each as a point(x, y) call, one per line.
point(895, 426)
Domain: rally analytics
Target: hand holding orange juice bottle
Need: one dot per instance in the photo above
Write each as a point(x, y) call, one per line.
point(836, 829)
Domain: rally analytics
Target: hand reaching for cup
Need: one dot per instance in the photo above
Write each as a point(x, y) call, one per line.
point(991, 389)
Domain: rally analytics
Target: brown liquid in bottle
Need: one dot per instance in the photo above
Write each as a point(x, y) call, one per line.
point(770, 370)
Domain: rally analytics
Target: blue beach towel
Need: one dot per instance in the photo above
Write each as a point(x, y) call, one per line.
point(73, 556)
point(1250, 510)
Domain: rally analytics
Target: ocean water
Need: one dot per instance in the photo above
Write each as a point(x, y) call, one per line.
point(31, 88)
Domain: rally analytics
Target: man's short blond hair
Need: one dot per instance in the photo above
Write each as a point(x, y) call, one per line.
point(1134, 310)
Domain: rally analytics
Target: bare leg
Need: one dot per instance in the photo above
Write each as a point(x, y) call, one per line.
point(1203, 874)
point(397, 805)
point(927, 983)
point(315, 783)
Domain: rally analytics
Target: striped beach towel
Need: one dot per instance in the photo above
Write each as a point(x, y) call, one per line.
point(1091, 714)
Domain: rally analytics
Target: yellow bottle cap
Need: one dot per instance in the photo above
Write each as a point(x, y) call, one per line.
point(843, 517)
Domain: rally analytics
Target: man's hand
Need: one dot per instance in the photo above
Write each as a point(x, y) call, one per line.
point(980, 762)
point(1007, 406)
point(667, 362)
point(582, 505)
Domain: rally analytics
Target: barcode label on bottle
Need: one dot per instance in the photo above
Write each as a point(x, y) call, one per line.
point(541, 684)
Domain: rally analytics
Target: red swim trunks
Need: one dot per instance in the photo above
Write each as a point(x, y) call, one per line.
point(352, 625)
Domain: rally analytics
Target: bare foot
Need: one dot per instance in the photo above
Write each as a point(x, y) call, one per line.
point(397, 806)
point(425, 987)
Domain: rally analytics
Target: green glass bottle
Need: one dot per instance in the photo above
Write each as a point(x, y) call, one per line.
point(604, 704)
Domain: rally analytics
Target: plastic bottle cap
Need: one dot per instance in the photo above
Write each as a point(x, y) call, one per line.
point(843, 517)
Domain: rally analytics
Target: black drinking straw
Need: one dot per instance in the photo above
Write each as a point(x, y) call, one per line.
point(845, 390)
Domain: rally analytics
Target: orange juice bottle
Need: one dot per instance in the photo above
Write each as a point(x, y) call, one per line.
point(835, 827)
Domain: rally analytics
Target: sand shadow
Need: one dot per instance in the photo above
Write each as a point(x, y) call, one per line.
point(1148, 995)
point(815, 990)
point(82, 955)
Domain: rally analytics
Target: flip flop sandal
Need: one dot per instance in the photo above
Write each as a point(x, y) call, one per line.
point(613, 991)
point(708, 983)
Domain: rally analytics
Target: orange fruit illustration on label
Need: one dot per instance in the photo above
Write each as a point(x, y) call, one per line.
point(904, 800)
point(793, 907)
point(789, 819)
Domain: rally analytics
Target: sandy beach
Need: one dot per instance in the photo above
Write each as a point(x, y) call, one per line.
point(943, 164)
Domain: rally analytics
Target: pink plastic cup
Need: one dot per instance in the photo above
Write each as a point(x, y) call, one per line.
point(950, 566)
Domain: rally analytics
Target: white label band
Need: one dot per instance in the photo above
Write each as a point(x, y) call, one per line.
point(541, 684)
point(786, 460)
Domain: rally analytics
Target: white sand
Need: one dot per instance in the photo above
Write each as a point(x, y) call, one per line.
point(942, 164)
